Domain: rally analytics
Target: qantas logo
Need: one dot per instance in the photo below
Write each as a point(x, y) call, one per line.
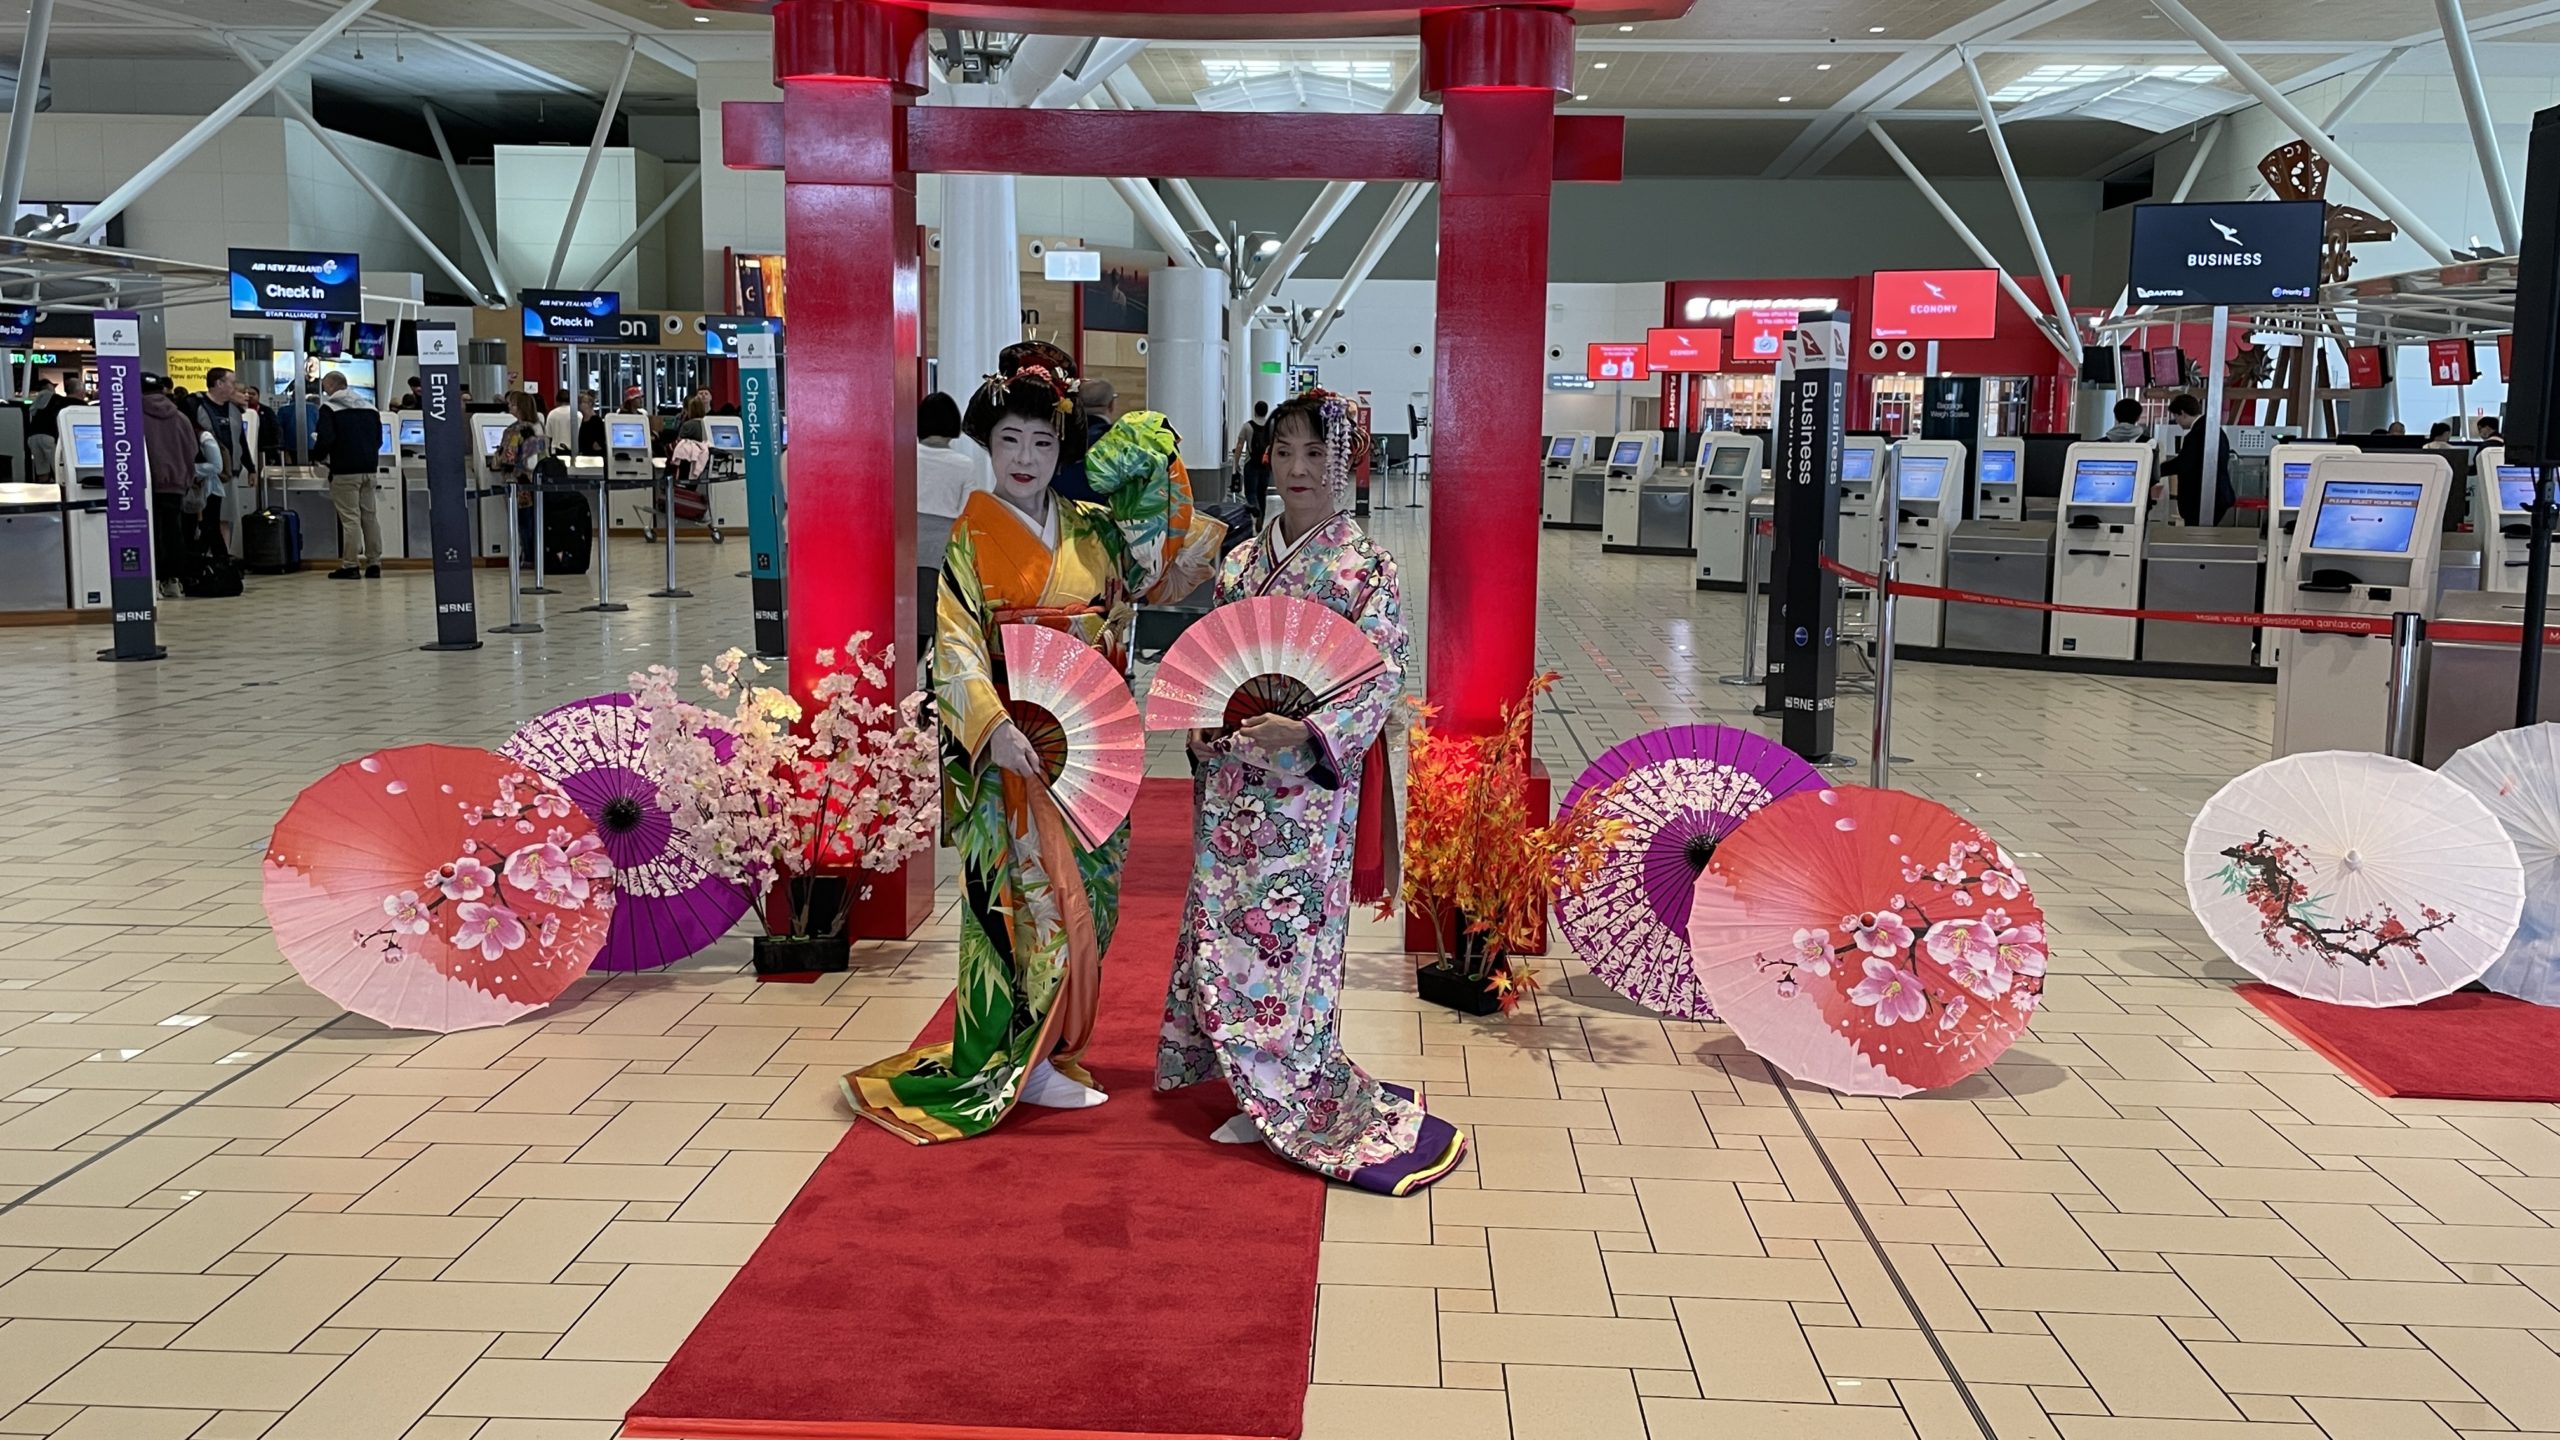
point(1934, 292)
point(2229, 234)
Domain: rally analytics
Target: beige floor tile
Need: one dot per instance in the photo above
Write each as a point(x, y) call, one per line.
point(2256, 1300)
point(2026, 1229)
point(1561, 1340)
point(384, 1387)
point(2377, 1420)
point(1659, 1163)
point(690, 1242)
point(2349, 1372)
point(644, 1314)
point(1697, 1217)
point(2077, 1292)
point(1377, 1335)
point(1548, 1272)
point(1385, 1412)
point(534, 1241)
point(1844, 1351)
point(286, 1302)
point(1523, 1210)
point(1723, 1419)
point(198, 1233)
point(2139, 1369)
point(41, 1351)
point(303, 1233)
point(748, 1188)
point(468, 1305)
point(1445, 1267)
point(546, 1389)
point(230, 1380)
point(1658, 1117)
point(2509, 1368)
point(1721, 1277)
point(87, 1295)
point(100, 1422)
point(646, 1133)
point(1525, 1157)
point(437, 1180)
point(1749, 1350)
point(1551, 1402)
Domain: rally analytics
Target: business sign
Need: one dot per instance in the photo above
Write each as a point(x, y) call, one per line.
point(760, 420)
point(1684, 352)
point(1609, 360)
point(2452, 362)
point(1568, 380)
point(448, 486)
point(1935, 305)
point(295, 285)
point(2217, 253)
point(570, 317)
point(1760, 336)
point(2366, 369)
point(1807, 528)
point(17, 324)
point(128, 477)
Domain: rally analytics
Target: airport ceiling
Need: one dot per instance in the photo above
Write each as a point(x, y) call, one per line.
point(1735, 87)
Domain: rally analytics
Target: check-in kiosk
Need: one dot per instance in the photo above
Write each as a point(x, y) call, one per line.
point(2288, 475)
point(405, 433)
point(727, 497)
point(496, 511)
point(1720, 524)
point(1865, 466)
point(2098, 544)
point(84, 447)
point(1644, 512)
point(2502, 513)
point(1568, 501)
point(1928, 478)
point(633, 474)
point(2000, 479)
point(34, 563)
point(2372, 526)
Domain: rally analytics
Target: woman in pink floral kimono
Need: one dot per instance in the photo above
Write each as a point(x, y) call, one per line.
point(1295, 821)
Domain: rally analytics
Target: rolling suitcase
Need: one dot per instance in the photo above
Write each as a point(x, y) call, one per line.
point(568, 533)
point(271, 541)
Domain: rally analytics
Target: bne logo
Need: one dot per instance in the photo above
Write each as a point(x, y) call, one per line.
point(2210, 258)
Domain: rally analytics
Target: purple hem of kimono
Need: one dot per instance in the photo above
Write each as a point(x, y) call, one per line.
point(1437, 1145)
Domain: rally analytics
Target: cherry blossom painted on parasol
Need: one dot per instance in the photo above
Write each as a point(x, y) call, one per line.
point(670, 904)
point(435, 887)
point(2356, 879)
point(1867, 940)
point(1682, 789)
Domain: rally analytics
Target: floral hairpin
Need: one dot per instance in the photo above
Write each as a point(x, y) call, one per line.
point(1344, 444)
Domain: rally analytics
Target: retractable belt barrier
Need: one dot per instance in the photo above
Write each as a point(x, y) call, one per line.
point(2469, 631)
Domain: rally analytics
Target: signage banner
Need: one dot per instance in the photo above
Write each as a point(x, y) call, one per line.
point(1568, 380)
point(448, 486)
point(761, 419)
point(570, 317)
point(1616, 361)
point(1951, 409)
point(1684, 351)
point(634, 328)
point(1773, 651)
point(1760, 336)
point(1936, 305)
point(1808, 528)
point(17, 324)
point(720, 332)
point(2228, 252)
point(296, 285)
point(2452, 362)
point(129, 580)
point(2365, 368)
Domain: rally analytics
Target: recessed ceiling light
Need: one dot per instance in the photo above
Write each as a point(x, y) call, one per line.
point(1875, 29)
point(1825, 65)
point(1599, 64)
point(1626, 29)
point(1786, 99)
point(1581, 97)
point(701, 19)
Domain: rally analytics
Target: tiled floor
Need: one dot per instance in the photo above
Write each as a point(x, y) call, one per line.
point(233, 1213)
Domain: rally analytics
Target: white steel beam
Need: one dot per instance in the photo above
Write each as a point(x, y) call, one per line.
point(462, 199)
point(2484, 134)
point(229, 110)
point(22, 109)
point(2345, 106)
point(2018, 199)
point(1150, 209)
point(1400, 210)
point(1109, 58)
point(2186, 183)
point(641, 231)
point(2054, 330)
point(595, 154)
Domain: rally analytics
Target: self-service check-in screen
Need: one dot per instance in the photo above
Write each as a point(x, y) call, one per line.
point(1627, 453)
point(413, 432)
point(1731, 462)
point(1923, 477)
point(2515, 487)
point(2104, 482)
point(2375, 517)
point(1858, 462)
point(1999, 467)
point(88, 448)
point(491, 435)
point(628, 436)
point(726, 434)
point(2297, 473)
point(1561, 449)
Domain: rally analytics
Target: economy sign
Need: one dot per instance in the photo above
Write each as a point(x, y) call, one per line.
point(2218, 253)
point(295, 285)
point(570, 317)
point(1936, 305)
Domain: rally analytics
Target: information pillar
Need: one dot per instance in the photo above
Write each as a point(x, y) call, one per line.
point(449, 487)
point(760, 418)
point(1808, 510)
point(130, 587)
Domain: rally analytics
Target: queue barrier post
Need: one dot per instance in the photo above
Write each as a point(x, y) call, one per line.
point(540, 586)
point(2406, 730)
point(1750, 674)
point(1880, 768)
point(669, 591)
point(605, 603)
point(516, 624)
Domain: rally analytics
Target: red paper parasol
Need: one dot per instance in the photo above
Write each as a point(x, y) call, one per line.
point(1868, 940)
point(438, 888)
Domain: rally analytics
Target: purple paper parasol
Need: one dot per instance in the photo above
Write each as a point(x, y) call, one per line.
point(1685, 788)
point(670, 905)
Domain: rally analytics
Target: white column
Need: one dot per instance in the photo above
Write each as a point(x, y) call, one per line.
point(978, 307)
point(1268, 380)
point(1186, 360)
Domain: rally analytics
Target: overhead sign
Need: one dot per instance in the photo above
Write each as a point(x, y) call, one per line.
point(1609, 360)
point(448, 457)
point(2452, 362)
point(2366, 369)
point(2228, 253)
point(720, 332)
point(1760, 336)
point(2133, 367)
point(1071, 265)
point(17, 324)
point(1935, 305)
point(637, 329)
point(1684, 352)
point(296, 285)
point(1567, 380)
point(570, 317)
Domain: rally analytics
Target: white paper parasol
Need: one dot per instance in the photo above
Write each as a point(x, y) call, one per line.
point(2355, 879)
point(2516, 774)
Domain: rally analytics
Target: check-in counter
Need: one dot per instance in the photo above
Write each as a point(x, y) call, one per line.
point(34, 553)
point(2012, 559)
point(2471, 685)
point(2199, 569)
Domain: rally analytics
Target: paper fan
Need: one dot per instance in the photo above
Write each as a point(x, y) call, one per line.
point(1868, 940)
point(1270, 653)
point(670, 905)
point(1074, 706)
point(1682, 789)
point(2355, 879)
point(437, 888)
point(2517, 775)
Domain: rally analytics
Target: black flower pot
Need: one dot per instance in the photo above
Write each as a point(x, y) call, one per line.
point(1452, 988)
point(802, 954)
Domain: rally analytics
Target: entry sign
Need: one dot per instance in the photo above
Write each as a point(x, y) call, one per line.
point(448, 501)
point(761, 418)
point(129, 581)
point(1611, 361)
point(2452, 362)
point(1809, 528)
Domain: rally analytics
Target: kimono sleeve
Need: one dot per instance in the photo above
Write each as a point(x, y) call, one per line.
point(964, 680)
point(1137, 471)
point(1344, 730)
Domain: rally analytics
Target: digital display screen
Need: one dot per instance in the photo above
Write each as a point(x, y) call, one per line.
point(2297, 473)
point(1615, 361)
point(1729, 462)
point(1684, 351)
point(492, 433)
point(559, 315)
point(2227, 253)
point(1923, 477)
point(1562, 449)
point(2376, 517)
point(2104, 482)
point(1935, 305)
point(1858, 462)
point(295, 285)
point(2168, 367)
point(2515, 487)
point(1761, 334)
point(413, 432)
point(390, 440)
point(627, 435)
point(1999, 467)
point(726, 434)
point(88, 448)
point(1627, 453)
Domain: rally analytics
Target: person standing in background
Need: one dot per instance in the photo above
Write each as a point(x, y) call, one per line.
point(1252, 458)
point(2187, 413)
point(560, 427)
point(946, 477)
point(170, 449)
point(2128, 427)
point(590, 425)
point(349, 440)
point(44, 427)
point(218, 412)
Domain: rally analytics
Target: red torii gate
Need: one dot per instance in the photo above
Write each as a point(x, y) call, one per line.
point(849, 144)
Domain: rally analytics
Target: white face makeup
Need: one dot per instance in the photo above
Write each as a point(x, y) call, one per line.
point(1298, 465)
point(1025, 456)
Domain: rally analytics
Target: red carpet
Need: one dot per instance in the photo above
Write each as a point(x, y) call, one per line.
point(1127, 1277)
point(2470, 1045)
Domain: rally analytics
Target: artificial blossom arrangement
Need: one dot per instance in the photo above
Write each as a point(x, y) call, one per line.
point(767, 792)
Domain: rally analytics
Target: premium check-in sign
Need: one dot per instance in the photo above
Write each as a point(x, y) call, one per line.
point(2228, 253)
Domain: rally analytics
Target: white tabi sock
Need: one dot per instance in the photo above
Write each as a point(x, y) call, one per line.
point(1239, 1131)
point(1049, 1087)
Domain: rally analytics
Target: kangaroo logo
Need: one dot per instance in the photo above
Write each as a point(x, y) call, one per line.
point(2229, 234)
point(1934, 292)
